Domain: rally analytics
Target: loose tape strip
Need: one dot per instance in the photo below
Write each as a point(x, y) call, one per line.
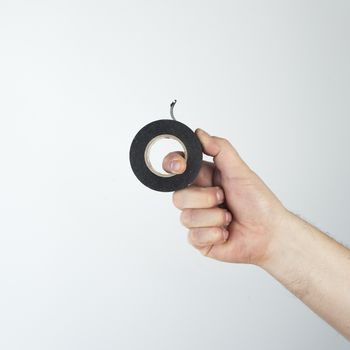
point(139, 155)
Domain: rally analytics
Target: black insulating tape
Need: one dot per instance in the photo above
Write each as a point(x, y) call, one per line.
point(189, 140)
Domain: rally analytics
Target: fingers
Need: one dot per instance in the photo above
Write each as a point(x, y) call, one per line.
point(192, 218)
point(209, 224)
point(201, 214)
point(205, 175)
point(226, 159)
point(174, 163)
point(207, 227)
point(198, 197)
point(225, 156)
point(207, 236)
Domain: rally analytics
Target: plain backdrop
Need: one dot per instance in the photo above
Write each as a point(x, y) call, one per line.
point(90, 258)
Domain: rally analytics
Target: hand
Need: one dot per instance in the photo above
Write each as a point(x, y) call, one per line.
point(230, 213)
point(233, 216)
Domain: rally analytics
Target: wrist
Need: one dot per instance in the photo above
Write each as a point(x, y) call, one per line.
point(291, 254)
point(284, 238)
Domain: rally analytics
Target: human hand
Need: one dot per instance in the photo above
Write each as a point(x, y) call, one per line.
point(230, 213)
point(233, 216)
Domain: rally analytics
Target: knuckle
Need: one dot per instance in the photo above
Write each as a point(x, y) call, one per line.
point(218, 139)
point(222, 141)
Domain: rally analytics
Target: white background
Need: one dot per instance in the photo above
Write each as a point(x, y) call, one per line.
point(91, 259)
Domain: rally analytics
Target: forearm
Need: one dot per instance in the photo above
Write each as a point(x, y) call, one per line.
point(315, 268)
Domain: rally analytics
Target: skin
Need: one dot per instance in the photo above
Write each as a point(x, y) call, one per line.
point(234, 217)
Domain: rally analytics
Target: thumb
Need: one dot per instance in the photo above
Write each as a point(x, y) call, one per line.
point(226, 158)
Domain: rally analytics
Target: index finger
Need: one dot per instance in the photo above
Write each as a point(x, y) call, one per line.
point(176, 160)
point(174, 163)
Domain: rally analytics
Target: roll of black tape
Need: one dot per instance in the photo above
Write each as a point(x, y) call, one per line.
point(139, 157)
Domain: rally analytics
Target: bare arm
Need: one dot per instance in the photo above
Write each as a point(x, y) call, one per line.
point(234, 217)
point(315, 268)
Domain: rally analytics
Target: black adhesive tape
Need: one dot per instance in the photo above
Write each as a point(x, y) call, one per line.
point(168, 128)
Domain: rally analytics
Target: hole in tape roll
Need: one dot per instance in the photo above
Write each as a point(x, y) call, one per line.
point(158, 148)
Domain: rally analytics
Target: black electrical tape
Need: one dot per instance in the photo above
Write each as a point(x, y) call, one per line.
point(138, 159)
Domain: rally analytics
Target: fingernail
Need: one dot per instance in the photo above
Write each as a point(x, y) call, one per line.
point(225, 233)
point(175, 166)
point(220, 195)
point(228, 217)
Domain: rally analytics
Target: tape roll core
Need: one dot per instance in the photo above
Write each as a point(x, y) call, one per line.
point(148, 150)
point(142, 143)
